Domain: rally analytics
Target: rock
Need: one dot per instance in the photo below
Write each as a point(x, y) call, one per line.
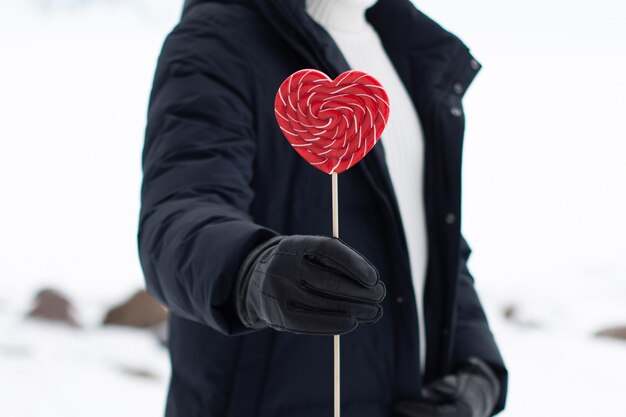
point(512, 314)
point(612, 332)
point(141, 310)
point(138, 372)
point(51, 305)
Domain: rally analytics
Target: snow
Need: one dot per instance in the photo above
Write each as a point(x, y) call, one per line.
point(58, 371)
point(544, 197)
point(74, 82)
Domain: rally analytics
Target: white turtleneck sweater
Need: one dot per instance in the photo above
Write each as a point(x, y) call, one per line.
point(402, 139)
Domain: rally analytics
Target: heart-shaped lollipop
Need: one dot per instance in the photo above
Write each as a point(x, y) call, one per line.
point(332, 124)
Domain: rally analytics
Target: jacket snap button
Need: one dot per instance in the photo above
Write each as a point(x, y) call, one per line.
point(399, 300)
point(450, 218)
point(474, 64)
point(458, 88)
point(455, 111)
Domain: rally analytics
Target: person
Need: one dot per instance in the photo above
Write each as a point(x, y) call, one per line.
point(234, 225)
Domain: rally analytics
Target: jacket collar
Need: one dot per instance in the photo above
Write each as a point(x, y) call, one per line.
point(430, 49)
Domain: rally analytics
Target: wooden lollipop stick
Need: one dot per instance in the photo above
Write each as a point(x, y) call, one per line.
point(335, 209)
point(335, 187)
point(337, 380)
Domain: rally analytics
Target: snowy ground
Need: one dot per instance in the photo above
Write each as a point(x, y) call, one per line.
point(544, 197)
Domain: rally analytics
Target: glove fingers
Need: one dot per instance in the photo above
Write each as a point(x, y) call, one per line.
point(362, 312)
point(301, 318)
point(333, 254)
point(421, 409)
point(313, 285)
point(330, 282)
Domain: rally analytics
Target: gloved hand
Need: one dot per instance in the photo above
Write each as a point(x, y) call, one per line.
point(471, 392)
point(308, 284)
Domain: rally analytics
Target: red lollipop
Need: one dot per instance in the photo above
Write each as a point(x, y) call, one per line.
point(332, 124)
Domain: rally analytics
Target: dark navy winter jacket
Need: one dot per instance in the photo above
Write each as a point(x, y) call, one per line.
point(220, 178)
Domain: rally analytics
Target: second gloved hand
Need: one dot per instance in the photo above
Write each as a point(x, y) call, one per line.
point(308, 284)
point(472, 391)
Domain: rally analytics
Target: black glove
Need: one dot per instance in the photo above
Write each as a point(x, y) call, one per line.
point(308, 284)
point(471, 392)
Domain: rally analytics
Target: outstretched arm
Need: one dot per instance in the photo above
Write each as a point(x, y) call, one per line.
point(195, 229)
point(202, 254)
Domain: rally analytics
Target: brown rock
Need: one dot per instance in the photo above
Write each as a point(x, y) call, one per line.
point(139, 372)
point(511, 313)
point(51, 305)
point(141, 310)
point(613, 332)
